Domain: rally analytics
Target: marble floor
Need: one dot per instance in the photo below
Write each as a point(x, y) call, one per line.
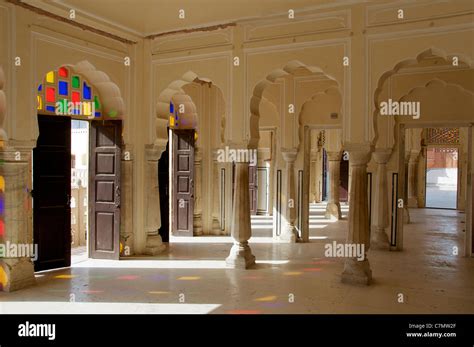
point(191, 276)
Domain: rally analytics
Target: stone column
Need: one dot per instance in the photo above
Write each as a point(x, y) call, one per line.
point(15, 272)
point(216, 187)
point(126, 203)
point(333, 208)
point(379, 238)
point(313, 178)
point(406, 211)
point(412, 178)
point(241, 256)
point(154, 243)
point(289, 233)
point(197, 217)
point(355, 271)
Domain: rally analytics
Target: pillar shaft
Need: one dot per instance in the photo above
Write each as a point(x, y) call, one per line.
point(289, 232)
point(379, 238)
point(333, 208)
point(355, 271)
point(241, 256)
point(197, 215)
point(412, 186)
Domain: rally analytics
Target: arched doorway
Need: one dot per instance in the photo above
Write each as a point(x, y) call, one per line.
point(67, 99)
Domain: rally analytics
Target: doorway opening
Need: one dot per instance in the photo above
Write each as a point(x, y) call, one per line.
point(441, 177)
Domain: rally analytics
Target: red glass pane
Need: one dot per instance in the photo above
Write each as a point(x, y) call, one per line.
point(76, 97)
point(62, 72)
point(50, 94)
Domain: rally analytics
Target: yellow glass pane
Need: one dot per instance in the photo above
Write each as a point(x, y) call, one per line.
point(40, 103)
point(171, 121)
point(2, 183)
point(86, 106)
point(50, 77)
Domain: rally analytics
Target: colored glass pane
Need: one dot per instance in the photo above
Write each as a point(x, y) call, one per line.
point(50, 77)
point(97, 114)
point(40, 103)
point(63, 88)
point(171, 121)
point(171, 107)
point(50, 94)
point(63, 107)
point(97, 102)
point(87, 108)
point(50, 109)
point(86, 91)
point(112, 113)
point(2, 228)
point(40, 87)
point(2, 205)
point(76, 82)
point(76, 111)
point(2, 184)
point(76, 97)
point(63, 72)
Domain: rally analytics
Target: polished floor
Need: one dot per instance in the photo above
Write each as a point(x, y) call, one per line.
point(191, 277)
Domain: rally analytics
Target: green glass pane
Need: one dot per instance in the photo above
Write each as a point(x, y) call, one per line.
point(76, 83)
point(113, 113)
point(97, 102)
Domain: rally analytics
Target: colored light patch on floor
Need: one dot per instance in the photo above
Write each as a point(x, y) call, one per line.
point(312, 269)
point(292, 273)
point(189, 278)
point(273, 304)
point(92, 291)
point(321, 262)
point(128, 277)
point(244, 312)
point(158, 277)
point(266, 298)
point(157, 292)
point(65, 276)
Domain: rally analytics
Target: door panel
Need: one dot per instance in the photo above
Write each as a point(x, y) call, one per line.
point(183, 182)
point(52, 192)
point(253, 188)
point(104, 197)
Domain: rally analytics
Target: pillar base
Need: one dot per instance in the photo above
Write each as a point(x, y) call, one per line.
point(240, 256)
point(154, 245)
point(197, 225)
point(406, 215)
point(379, 239)
point(357, 272)
point(333, 211)
point(412, 202)
point(19, 273)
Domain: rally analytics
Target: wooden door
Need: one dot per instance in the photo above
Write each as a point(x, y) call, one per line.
point(325, 176)
point(253, 187)
point(52, 193)
point(183, 182)
point(163, 184)
point(104, 190)
point(344, 180)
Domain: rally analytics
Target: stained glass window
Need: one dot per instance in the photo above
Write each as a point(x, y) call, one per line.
point(65, 93)
point(442, 136)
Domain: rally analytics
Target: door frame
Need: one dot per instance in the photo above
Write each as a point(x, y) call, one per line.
point(400, 130)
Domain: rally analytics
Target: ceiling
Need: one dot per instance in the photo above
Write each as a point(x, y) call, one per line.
point(148, 17)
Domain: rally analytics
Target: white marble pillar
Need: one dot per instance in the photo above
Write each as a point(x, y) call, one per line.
point(333, 208)
point(358, 271)
point(406, 211)
point(16, 272)
point(380, 210)
point(216, 186)
point(241, 256)
point(197, 214)
point(289, 233)
point(313, 177)
point(412, 178)
point(126, 203)
point(154, 244)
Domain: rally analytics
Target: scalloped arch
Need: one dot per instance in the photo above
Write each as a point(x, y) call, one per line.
point(430, 52)
point(257, 96)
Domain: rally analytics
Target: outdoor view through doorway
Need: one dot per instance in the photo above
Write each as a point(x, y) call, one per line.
point(441, 177)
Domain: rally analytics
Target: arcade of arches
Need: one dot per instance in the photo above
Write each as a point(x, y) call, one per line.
point(260, 153)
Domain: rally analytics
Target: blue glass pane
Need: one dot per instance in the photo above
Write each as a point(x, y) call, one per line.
point(50, 108)
point(97, 114)
point(86, 92)
point(62, 88)
point(171, 107)
point(40, 88)
point(2, 205)
point(76, 111)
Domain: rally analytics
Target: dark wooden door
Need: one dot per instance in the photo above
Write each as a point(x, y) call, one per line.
point(163, 184)
point(52, 193)
point(104, 190)
point(344, 180)
point(325, 177)
point(183, 182)
point(253, 187)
